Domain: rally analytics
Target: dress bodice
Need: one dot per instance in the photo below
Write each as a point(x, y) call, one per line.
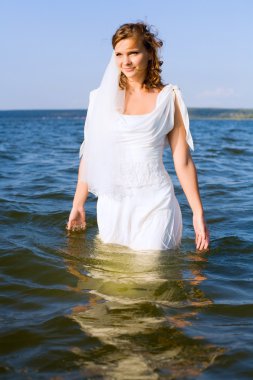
point(141, 139)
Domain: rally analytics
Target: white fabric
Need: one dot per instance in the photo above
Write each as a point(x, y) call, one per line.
point(100, 148)
point(136, 151)
point(148, 216)
point(149, 219)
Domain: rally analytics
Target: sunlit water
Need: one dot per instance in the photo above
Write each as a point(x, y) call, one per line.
point(75, 308)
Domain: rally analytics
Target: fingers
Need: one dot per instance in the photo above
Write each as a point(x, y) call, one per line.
point(74, 225)
point(201, 233)
point(198, 240)
point(76, 220)
point(83, 219)
point(202, 240)
point(70, 224)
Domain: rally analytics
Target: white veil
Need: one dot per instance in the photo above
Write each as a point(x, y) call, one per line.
point(100, 150)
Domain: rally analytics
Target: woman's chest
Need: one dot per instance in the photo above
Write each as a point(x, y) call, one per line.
point(139, 104)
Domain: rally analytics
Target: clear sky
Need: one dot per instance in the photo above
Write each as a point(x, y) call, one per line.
point(53, 52)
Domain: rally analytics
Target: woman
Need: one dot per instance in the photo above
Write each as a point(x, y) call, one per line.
point(131, 118)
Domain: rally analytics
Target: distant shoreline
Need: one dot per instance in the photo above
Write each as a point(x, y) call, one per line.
point(221, 113)
point(197, 113)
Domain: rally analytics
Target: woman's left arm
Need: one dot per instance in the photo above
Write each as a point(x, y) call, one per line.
point(187, 175)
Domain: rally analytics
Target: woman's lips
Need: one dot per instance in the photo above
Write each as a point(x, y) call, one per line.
point(128, 69)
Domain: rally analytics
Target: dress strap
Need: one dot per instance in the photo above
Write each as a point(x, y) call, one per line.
point(184, 114)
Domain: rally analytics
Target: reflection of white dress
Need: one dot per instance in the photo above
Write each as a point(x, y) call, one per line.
point(149, 217)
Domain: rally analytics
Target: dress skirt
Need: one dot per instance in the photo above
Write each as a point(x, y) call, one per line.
point(148, 219)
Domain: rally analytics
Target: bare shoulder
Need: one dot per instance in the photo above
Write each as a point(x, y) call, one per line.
point(159, 89)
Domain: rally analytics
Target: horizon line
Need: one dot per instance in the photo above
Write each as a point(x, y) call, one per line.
point(85, 109)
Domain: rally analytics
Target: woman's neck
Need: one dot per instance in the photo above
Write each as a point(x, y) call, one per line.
point(135, 86)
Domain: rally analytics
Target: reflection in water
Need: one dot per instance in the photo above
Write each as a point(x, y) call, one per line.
point(140, 304)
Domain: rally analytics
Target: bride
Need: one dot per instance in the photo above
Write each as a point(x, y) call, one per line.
point(132, 117)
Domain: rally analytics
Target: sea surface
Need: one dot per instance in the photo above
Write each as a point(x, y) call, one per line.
point(73, 308)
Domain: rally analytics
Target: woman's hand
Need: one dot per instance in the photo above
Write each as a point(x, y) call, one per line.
point(76, 220)
point(201, 233)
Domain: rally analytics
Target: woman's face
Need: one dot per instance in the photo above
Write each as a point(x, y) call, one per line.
point(132, 58)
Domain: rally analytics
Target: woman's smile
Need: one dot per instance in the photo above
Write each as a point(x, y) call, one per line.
point(128, 68)
point(132, 53)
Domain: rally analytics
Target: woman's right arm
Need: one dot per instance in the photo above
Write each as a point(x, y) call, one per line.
point(77, 214)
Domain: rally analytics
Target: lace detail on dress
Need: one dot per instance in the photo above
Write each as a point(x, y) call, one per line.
point(139, 174)
point(135, 175)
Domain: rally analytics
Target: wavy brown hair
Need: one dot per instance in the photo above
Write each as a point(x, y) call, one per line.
point(151, 43)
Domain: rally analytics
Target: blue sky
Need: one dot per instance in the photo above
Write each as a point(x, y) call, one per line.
point(53, 52)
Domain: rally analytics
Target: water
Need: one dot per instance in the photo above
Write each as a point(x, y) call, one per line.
point(73, 308)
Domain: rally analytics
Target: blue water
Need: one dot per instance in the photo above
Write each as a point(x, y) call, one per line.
point(74, 308)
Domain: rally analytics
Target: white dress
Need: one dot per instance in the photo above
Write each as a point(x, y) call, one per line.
point(149, 217)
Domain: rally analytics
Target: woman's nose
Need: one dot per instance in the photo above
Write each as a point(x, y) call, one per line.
point(126, 60)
